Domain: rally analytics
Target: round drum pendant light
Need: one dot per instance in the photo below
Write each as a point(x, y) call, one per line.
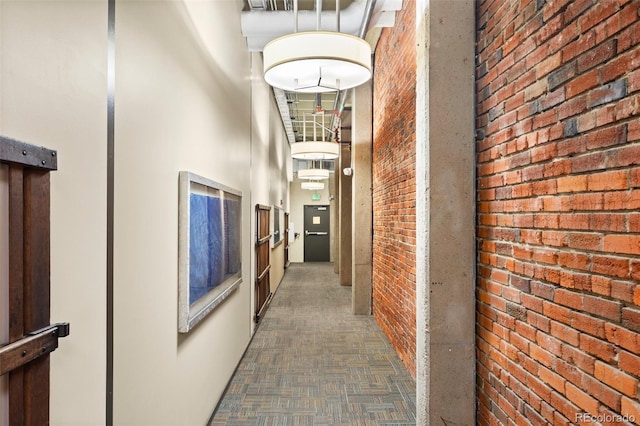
point(317, 61)
point(312, 186)
point(315, 150)
point(313, 174)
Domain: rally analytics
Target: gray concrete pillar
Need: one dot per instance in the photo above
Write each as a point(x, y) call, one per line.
point(362, 200)
point(445, 212)
point(345, 217)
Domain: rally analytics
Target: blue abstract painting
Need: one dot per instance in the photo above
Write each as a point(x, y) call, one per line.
point(210, 247)
point(206, 256)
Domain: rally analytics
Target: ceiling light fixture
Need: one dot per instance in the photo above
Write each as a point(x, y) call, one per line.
point(315, 149)
point(317, 61)
point(313, 174)
point(312, 186)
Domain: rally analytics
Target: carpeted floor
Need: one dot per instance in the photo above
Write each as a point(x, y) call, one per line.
point(312, 362)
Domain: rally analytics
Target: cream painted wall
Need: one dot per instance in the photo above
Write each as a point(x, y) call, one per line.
point(277, 267)
point(53, 93)
point(260, 144)
point(183, 102)
point(188, 96)
point(280, 163)
point(261, 123)
point(280, 170)
point(300, 198)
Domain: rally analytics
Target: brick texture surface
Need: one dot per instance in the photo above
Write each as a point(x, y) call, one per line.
point(394, 185)
point(558, 202)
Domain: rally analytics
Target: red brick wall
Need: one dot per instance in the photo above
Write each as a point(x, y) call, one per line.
point(394, 112)
point(558, 152)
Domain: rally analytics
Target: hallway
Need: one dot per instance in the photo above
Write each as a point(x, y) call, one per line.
point(311, 362)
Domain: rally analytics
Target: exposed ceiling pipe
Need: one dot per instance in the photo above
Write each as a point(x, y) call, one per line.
point(368, 11)
point(260, 27)
point(341, 98)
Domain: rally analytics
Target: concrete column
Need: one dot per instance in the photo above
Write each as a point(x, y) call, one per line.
point(362, 200)
point(345, 217)
point(445, 212)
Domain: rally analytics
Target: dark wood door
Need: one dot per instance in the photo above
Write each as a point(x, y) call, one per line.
point(316, 234)
point(263, 263)
point(25, 358)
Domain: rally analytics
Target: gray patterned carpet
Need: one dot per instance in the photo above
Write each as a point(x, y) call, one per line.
point(311, 362)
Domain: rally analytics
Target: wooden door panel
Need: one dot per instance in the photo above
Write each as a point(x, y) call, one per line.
point(29, 282)
point(29, 293)
point(263, 265)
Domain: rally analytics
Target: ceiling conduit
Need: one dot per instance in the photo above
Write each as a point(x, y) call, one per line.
point(341, 99)
point(260, 26)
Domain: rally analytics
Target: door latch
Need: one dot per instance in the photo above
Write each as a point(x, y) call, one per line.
point(33, 345)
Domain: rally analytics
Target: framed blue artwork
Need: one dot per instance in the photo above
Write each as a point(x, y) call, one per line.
point(210, 247)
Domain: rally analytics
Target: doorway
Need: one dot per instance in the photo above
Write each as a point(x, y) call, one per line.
point(316, 233)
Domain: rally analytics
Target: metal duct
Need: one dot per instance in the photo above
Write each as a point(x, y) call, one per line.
point(260, 27)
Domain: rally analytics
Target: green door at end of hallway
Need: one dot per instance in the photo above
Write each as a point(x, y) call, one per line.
point(316, 233)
